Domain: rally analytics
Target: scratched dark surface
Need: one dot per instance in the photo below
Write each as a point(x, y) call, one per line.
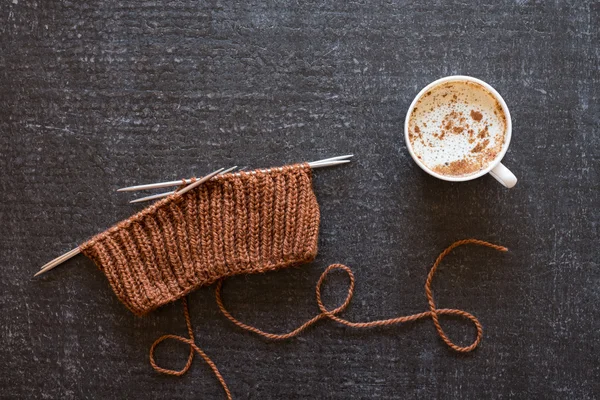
point(100, 94)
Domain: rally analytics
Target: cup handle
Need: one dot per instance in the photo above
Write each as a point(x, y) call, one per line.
point(504, 176)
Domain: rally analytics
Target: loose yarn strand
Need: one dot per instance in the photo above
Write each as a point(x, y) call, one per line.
point(193, 348)
point(433, 313)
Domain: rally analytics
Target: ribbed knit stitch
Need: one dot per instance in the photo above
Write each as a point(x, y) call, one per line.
point(241, 223)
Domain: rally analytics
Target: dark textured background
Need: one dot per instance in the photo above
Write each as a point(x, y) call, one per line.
point(96, 95)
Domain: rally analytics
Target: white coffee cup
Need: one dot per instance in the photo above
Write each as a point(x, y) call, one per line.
point(495, 168)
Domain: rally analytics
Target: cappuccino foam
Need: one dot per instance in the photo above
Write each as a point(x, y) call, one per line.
point(457, 128)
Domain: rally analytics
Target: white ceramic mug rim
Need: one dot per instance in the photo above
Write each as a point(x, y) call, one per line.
point(507, 136)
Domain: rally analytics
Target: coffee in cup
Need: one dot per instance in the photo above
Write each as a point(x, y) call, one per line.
point(458, 129)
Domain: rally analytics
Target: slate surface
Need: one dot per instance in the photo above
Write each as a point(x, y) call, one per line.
point(100, 94)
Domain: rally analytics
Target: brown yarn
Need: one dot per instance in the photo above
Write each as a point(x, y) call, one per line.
point(193, 348)
point(433, 313)
point(242, 223)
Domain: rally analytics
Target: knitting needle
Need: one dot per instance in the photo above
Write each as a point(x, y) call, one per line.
point(165, 194)
point(345, 157)
point(72, 253)
point(163, 184)
point(58, 260)
point(327, 162)
point(314, 164)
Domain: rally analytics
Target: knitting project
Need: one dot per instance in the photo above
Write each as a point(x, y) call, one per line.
point(240, 223)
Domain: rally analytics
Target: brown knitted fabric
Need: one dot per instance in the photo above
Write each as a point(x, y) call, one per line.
point(240, 223)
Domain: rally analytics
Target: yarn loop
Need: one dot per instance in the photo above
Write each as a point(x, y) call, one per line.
point(433, 313)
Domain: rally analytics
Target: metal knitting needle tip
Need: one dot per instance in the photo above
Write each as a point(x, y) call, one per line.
point(151, 186)
point(228, 170)
point(159, 185)
point(333, 159)
point(165, 194)
point(58, 260)
point(201, 181)
point(328, 163)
